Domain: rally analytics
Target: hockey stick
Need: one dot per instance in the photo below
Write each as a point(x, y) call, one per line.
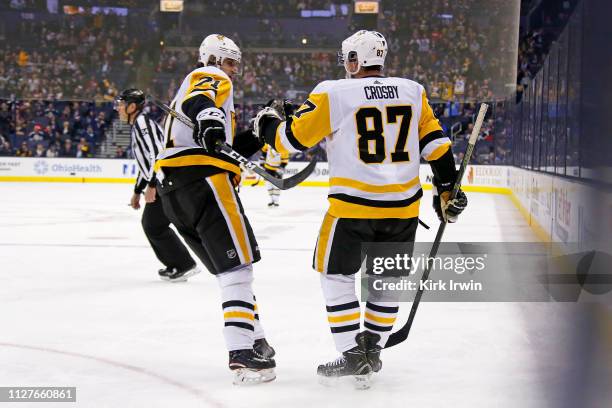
point(402, 334)
point(281, 183)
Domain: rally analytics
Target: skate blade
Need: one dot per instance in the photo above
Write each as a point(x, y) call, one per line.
point(362, 382)
point(246, 376)
point(358, 382)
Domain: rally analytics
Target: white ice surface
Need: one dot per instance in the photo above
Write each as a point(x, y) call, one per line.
point(81, 305)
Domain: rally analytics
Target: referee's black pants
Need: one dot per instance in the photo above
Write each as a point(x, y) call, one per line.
point(167, 246)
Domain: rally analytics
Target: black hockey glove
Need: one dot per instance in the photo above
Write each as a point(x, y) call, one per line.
point(447, 210)
point(282, 106)
point(209, 129)
point(267, 118)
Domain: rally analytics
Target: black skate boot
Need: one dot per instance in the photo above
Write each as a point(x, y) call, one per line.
point(250, 367)
point(369, 342)
point(352, 363)
point(175, 275)
point(163, 273)
point(262, 347)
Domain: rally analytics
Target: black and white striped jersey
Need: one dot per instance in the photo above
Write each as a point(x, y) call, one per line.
point(147, 141)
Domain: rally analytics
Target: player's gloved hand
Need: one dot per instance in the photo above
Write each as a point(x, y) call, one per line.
point(265, 117)
point(209, 129)
point(288, 108)
point(282, 106)
point(448, 210)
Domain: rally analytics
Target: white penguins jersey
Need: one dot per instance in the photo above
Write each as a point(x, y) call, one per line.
point(181, 150)
point(273, 159)
point(377, 130)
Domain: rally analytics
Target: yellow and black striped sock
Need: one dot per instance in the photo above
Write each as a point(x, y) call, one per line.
point(238, 313)
point(239, 318)
point(379, 318)
point(259, 331)
point(344, 321)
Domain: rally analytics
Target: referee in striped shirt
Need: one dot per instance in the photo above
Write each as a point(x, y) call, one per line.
point(147, 141)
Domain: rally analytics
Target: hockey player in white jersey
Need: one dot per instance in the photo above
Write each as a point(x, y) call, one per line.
point(274, 163)
point(377, 129)
point(197, 192)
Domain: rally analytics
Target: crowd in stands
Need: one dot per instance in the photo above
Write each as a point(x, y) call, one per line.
point(442, 45)
point(258, 8)
point(535, 43)
point(52, 129)
point(435, 42)
point(265, 75)
point(75, 58)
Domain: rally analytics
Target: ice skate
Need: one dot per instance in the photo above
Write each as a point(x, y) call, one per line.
point(250, 367)
point(174, 275)
point(163, 273)
point(262, 347)
point(352, 364)
point(369, 342)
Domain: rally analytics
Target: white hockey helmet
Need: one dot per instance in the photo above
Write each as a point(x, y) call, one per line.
point(367, 48)
point(216, 48)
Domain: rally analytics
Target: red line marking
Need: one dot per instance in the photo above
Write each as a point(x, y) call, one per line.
point(193, 391)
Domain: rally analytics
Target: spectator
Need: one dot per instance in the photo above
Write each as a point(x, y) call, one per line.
point(24, 150)
point(66, 130)
point(52, 151)
point(5, 147)
point(90, 135)
point(5, 118)
point(37, 135)
point(68, 149)
point(83, 148)
point(120, 153)
point(40, 150)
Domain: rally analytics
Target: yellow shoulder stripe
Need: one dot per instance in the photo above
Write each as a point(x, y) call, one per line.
point(214, 86)
point(313, 125)
point(427, 122)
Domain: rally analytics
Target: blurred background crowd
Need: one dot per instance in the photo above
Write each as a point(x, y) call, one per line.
point(62, 65)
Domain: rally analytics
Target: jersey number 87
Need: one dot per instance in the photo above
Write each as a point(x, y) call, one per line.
point(370, 128)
